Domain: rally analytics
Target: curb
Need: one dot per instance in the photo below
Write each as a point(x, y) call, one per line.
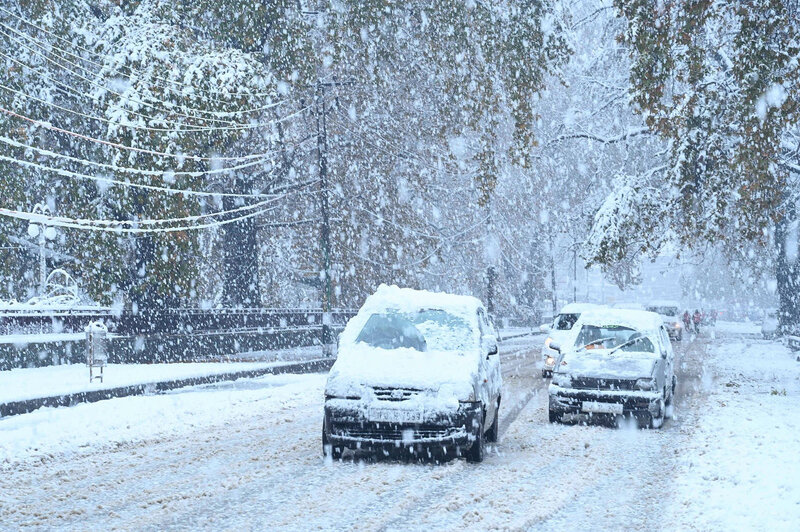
point(16, 408)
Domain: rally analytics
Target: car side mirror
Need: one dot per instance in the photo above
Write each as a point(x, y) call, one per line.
point(490, 344)
point(664, 355)
point(545, 328)
point(555, 346)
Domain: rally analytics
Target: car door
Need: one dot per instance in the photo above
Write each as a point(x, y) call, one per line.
point(667, 357)
point(491, 363)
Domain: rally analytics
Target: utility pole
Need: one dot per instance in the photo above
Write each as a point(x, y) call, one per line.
point(574, 274)
point(325, 230)
point(553, 274)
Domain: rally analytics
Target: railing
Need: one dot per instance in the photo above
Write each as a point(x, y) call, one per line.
point(43, 337)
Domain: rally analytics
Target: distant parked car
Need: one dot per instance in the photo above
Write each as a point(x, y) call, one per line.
point(620, 365)
point(561, 331)
point(417, 372)
point(670, 312)
point(769, 327)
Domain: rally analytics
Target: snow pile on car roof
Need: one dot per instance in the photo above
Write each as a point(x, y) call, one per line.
point(641, 320)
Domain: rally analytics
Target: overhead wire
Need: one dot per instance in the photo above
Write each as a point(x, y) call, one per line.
point(128, 125)
point(66, 223)
point(51, 127)
point(48, 48)
point(138, 171)
point(186, 127)
point(167, 107)
point(119, 225)
point(130, 69)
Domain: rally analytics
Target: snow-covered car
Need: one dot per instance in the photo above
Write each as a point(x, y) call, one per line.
point(769, 327)
point(561, 331)
point(621, 364)
point(417, 372)
point(670, 312)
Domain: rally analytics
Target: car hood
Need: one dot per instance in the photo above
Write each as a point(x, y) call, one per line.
point(444, 374)
point(628, 365)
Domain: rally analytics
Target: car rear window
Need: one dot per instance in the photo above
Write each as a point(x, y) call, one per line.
point(564, 322)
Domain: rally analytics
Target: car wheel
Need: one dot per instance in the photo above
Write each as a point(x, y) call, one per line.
point(555, 417)
point(476, 452)
point(327, 449)
point(492, 433)
point(657, 422)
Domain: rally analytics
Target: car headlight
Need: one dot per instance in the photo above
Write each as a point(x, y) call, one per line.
point(646, 384)
point(548, 342)
point(677, 325)
point(550, 361)
point(562, 380)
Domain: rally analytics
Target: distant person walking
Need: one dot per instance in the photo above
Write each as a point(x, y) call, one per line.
point(697, 319)
point(687, 321)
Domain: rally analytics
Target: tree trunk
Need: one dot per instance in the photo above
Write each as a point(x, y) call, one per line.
point(787, 272)
point(241, 286)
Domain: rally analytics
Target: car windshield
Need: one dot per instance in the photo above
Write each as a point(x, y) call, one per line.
point(612, 336)
point(425, 330)
point(664, 310)
point(564, 322)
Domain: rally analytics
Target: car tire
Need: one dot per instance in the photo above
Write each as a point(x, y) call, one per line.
point(657, 422)
point(327, 449)
point(554, 417)
point(476, 452)
point(492, 433)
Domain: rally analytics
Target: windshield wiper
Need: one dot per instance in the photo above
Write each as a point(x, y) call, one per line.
point(626, 344)
point(595, 342)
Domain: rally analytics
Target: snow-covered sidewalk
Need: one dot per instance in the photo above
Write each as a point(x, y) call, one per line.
point(34, 383)
point(739, 468)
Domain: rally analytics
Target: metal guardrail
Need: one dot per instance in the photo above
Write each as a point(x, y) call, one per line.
point(164, 335)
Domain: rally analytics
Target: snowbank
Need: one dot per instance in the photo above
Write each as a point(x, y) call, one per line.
point(740, 470)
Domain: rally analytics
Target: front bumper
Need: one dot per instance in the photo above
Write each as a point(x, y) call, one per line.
point(350, 427)
point(639, 404)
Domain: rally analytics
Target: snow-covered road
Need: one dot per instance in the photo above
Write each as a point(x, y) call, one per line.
point(247, 456)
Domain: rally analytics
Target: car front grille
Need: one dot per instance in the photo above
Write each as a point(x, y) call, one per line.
point(590, 383)
point(395, 394)
point(397, 433)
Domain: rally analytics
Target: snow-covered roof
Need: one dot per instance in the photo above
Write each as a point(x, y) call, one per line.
point(628, 305)
point(577, 308)
point(410, 300)
point(641, 320)
point(664, 303)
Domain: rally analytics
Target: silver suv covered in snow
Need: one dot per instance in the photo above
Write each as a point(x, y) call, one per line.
point(417, 372)
point(621, 364)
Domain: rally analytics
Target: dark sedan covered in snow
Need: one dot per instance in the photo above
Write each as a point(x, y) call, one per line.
point(418, 374)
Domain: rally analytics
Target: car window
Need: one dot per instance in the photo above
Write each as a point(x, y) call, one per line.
point(664, 340)
point(482, 324)
point(565, 322)
point(613, 336)
point(424, 330)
